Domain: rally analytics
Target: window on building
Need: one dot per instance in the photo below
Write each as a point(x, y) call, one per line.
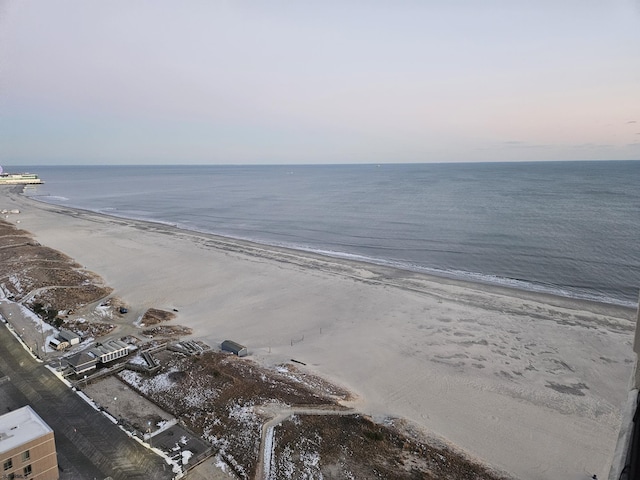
point(8, 464)
point(26, 470)
point(26, 455)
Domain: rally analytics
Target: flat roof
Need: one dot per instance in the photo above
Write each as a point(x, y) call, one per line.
point(20, 426)
point(111, 346)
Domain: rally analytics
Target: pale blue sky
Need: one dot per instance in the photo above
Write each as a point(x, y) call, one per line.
point(157, 81)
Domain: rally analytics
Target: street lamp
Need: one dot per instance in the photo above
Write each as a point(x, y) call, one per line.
point(44, 347)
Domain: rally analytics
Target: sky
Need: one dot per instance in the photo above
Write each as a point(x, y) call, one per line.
point(345, 81)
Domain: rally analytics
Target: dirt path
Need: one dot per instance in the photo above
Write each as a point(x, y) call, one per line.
point(278, 415)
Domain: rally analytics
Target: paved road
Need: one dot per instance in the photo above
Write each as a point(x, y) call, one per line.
point(89, 445)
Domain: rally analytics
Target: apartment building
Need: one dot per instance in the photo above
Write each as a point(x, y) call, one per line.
point(27, 446)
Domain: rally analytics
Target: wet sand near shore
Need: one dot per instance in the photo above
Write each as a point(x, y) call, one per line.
point(529, 383)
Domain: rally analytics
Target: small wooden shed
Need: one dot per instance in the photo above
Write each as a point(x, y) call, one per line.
point(58, 344)
point(234, 347)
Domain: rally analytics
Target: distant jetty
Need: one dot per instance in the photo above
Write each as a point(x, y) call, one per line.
point(18, 178)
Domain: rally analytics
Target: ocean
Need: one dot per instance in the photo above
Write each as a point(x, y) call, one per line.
point(566, 228)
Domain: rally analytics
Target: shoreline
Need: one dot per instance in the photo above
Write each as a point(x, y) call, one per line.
point(527, 382)
point(380, 268)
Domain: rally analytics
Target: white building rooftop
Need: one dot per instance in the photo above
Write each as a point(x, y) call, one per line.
point(20, 426)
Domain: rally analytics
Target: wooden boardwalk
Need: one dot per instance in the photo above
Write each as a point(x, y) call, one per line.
point(89, 445)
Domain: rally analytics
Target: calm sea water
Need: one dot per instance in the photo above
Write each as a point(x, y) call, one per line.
point(569, 228)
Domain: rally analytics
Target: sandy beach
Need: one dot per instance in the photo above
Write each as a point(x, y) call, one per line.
point(528, 383)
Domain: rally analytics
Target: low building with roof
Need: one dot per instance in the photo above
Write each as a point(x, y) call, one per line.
point(58, 344)
point(27, 446)
point(68, 336)
point(109, 351)
point(81, 362)
point(234, 347)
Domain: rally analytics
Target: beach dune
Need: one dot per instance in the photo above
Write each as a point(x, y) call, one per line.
point(530, 384)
